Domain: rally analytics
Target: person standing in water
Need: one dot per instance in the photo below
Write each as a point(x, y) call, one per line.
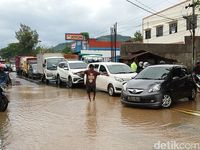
point(91, 76)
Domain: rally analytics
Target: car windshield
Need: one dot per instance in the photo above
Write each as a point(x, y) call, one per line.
point(78, 65)
point(119, 69)
point(52, 62)
point(34, 66)
point(154, 73)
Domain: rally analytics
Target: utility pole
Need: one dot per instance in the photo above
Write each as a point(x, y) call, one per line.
point(115, 32)
point(193, 33)
point(193, 23)
point(111, 42)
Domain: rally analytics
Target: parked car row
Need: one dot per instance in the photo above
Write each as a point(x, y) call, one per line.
point(154, 86)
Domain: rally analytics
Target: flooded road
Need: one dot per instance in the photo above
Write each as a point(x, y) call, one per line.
point(46, 117)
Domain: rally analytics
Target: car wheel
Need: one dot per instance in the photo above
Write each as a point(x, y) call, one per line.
point(193, 94)
point(166, 101)
point(58, 82)
point(4, 103)
point(45, 80)
point(111, 91)
point(70, 83)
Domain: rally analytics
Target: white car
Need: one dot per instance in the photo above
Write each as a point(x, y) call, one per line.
point(69, 72)
point(112, 76)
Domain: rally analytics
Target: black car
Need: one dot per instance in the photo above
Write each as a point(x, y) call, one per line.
point(159, 86)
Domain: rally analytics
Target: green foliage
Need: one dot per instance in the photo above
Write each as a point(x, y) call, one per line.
point(27, 38)
point(62, 46)
point(10, 51)
point(67, 50)
point(138, 37)
point(86, 35)
point(119, 38)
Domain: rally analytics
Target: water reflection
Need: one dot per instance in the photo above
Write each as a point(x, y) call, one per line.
point(4, 122)
point(91, 119)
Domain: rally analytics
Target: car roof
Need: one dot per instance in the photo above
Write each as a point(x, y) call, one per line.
point(75, 61)
point(107, 63)
point(72, 61)
point(167, 65)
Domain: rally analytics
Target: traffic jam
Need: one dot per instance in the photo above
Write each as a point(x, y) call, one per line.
point(49, 107)
point(156, 86)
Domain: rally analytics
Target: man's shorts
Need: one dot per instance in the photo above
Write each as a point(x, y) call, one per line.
point(91, 88)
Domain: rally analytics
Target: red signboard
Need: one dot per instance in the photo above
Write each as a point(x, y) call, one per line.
point(74, 36)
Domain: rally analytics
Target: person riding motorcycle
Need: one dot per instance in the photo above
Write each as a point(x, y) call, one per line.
point(3, 76)
point(196, 75)
point(3, 82)
point(196, 69)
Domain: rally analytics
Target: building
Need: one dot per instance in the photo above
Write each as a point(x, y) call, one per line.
point(168, 34)
point(170, 25)
point(102, 48)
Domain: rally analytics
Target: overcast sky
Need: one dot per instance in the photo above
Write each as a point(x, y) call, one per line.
point(53, 18)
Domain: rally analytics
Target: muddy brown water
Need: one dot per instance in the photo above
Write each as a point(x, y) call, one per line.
point(46, 117)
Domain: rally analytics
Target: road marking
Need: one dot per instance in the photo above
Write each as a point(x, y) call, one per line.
point(189, 112)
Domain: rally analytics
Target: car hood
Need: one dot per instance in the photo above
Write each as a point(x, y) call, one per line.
point(126, 76)
point(142, 83)
point(77, 70)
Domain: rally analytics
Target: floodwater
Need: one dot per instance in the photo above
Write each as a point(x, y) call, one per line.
point(46, 117)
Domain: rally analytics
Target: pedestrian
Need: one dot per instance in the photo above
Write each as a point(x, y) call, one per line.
point(91, 76)
point(146, 64)
point(134, 65)
point(162, 62)
point(140, 66)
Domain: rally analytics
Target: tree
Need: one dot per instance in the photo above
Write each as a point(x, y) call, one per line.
point(27, 38)
point(138, 37)
point(10, 51)
point(85, 35)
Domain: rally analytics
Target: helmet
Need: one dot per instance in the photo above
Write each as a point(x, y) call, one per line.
point(198, 62)
point(145, 64)
point(141, 63)
point(2, 65)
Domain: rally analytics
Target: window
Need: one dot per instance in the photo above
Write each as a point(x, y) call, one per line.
point(159, 31)
point(179, 72)
point(190, 22)
point(173, 28)
point(102, 69)
point(148, 34)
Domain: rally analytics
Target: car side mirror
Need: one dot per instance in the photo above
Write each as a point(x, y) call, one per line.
point(43, 65)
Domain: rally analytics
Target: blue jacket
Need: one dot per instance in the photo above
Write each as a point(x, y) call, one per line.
point(3, 77)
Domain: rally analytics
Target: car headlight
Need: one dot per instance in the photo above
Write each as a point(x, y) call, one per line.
point(78, 74)
point(154, 88)
point(124, 87)
point(119, 79)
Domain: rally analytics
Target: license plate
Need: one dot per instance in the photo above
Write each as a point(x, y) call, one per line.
point(134, 99)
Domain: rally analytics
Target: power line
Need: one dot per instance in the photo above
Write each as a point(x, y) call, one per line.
point(149, 10)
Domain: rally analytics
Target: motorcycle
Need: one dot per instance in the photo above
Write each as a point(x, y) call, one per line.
point(197, 81)
point(3, 99)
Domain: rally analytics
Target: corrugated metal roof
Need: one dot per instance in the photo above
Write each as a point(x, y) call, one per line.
point(93, 43)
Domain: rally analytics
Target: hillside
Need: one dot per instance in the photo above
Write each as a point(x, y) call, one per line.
point(120, 38)
point(61, 46)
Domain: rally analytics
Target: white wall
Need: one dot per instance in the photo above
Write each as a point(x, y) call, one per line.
point(176, 12)
point(104, 53)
